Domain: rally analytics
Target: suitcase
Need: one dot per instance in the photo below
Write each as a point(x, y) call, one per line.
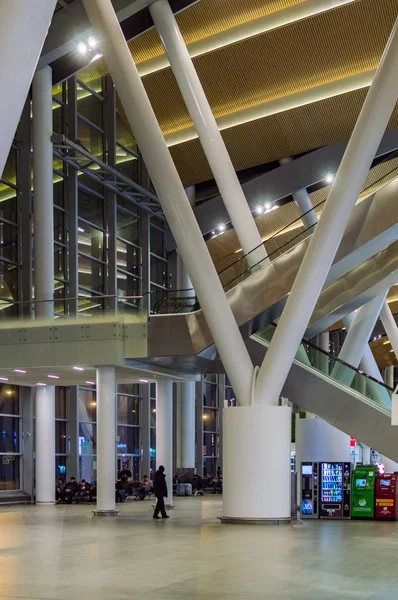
point(188, 489)
point(181, 489)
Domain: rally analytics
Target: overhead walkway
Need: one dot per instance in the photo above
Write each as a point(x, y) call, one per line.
point(365, 265)
point(315, 384)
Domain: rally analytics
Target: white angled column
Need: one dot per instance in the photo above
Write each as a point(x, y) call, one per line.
point(164, 432)
point(357, 339)
point(187, 424)
point(208, 132)
point(303, 202)
point(389, 376)
point(173, 198)
point(390, 326)
point(24, 27)
point(43, 209)
point(326, 238)
point(42, 125)
point(106, 441)
point(45, 445)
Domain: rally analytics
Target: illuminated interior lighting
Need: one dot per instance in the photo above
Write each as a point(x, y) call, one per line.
point(259, 210)
point(53, 376)
point(9, 392)
point(154, 410)
point(221, 228)
point(204, 417)
point(81, 231)
point(19, 371)
point(3, 378)
point(280, 18)
point(392, 350)
point(213, 233)
point(329, 178)
point(96, 57)
point(41, 384)
point(386, 343)
point(92, 42)
point(90, 382)
point(144, 380)
point(78, 369)
point(267, 206)
point(82, 48)
point(93, 403)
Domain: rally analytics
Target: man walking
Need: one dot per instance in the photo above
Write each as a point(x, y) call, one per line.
point(160, 490)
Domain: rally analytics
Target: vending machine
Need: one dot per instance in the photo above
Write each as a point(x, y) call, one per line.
point(363, 490)
point(334, 490)
point(309, 490)
point(386, 496)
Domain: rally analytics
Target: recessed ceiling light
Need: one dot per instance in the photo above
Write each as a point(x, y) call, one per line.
point(3, 378)
point(19, 371)
point(92, 42)
point(53, 376)
point(41, 384)
point(329, 178)
point(259, 210)
point(82, 48)
point(221, 228)
point(78, 369)
point(268, 206)
point(90, 382)
point(144, 380)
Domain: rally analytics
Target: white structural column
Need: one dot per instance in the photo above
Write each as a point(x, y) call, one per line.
point(326, 238)
point(45, 445)
point(390, 326)
point(208, 132)
point(187, 424)
point(173, 198)
point(24, 27)
point(389, 376)
point(184, 283)
point(303, 202)
point(43, 192)
point(164, 431)
point(44, 272)
point(357, 339)
point(106, 441)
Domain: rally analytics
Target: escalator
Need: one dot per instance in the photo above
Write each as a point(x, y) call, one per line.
point(366, 264)
point(343, 396)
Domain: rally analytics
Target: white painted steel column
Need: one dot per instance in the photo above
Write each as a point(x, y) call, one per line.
point(164, 432)
point(389, 376)
point(173, 198)
point(106, 441)
point(183, 280)
point(326, 238)
point(390, 326)
point(187, 423)
point(368, 362)
point(44, 272)
point(256, 450)
point(24, 27)
point(43, 212)
point(207, 129)
point(303, 202)
point(45, 445)
point(357, 339)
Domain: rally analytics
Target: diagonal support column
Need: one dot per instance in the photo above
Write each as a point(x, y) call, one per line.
point(208, 132)
point(173, 198)
point(24, 27)
point(390, 326)
point(343, 195)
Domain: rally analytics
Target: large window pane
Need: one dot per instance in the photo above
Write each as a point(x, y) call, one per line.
point(210, 394)
point(9, 434)
point(91, 241)
point(210, 420)
point(87, 408)
point(128, 257)
point(9, 473)
point(60, 403)
point(91, 207)
point(124, 135)
point(9, 242)
point(128, 227)
point(90, 106)
point(128, 410)
point(60, 467)
point(153, 413)
point(91, 274)
point(157, 242)
point(159, 271)
point(8, 203)
point(128, 440)
point(210, 441)
point(90, 139)
point(60, 437)
point(9, 400)
point(132, 389)
point(87, 439)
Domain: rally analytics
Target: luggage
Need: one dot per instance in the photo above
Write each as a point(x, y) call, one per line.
point(181, 489)
point(188, 489)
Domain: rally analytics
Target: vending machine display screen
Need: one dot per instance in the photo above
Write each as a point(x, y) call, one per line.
point(385, 482)
point(332, 483)
point(360, 483)
point(306, 470)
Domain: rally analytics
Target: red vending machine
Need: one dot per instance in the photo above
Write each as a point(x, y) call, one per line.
point(386, 497)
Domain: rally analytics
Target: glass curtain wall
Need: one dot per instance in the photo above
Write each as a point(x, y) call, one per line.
point(10, 442)
point(211, 420)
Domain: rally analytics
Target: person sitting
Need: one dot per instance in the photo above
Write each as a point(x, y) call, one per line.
point(70, 490)
point(127, 485)
point(59, 490)
point(120, 493)
point(93, 492)
point(145, 488)
point(125, 472)
point(82, 492)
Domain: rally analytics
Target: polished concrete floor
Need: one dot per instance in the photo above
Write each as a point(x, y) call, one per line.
point(65, 553)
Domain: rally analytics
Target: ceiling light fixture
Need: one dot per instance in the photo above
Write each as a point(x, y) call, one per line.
point(144, 381)
point(267, 206)
point(3, 378)
point(82, 48)
point(41, 384)
point(90, 382)
point(329, 178)
point(53, 376)
point(78, 369)
point(19, 371)
point(92, 42)
point(221, 228)
point(259, 210)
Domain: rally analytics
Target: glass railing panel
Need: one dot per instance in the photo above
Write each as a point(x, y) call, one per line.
point(342, 373)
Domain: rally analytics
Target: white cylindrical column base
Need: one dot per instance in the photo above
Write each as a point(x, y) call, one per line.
point(106, 442)
point(164, 432)
point(256, 473)
point(45, 445)
point(187, 397)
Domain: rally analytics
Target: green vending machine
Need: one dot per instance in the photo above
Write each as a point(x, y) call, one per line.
point(363, 490)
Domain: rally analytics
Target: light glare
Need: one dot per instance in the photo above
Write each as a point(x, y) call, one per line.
point(82, 48)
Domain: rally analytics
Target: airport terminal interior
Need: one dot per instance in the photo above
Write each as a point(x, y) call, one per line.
point(198, 299)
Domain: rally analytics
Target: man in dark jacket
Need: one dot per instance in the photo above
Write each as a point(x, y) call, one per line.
point(160, 491)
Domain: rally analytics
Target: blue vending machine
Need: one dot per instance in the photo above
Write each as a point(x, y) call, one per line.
point(309, 490)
